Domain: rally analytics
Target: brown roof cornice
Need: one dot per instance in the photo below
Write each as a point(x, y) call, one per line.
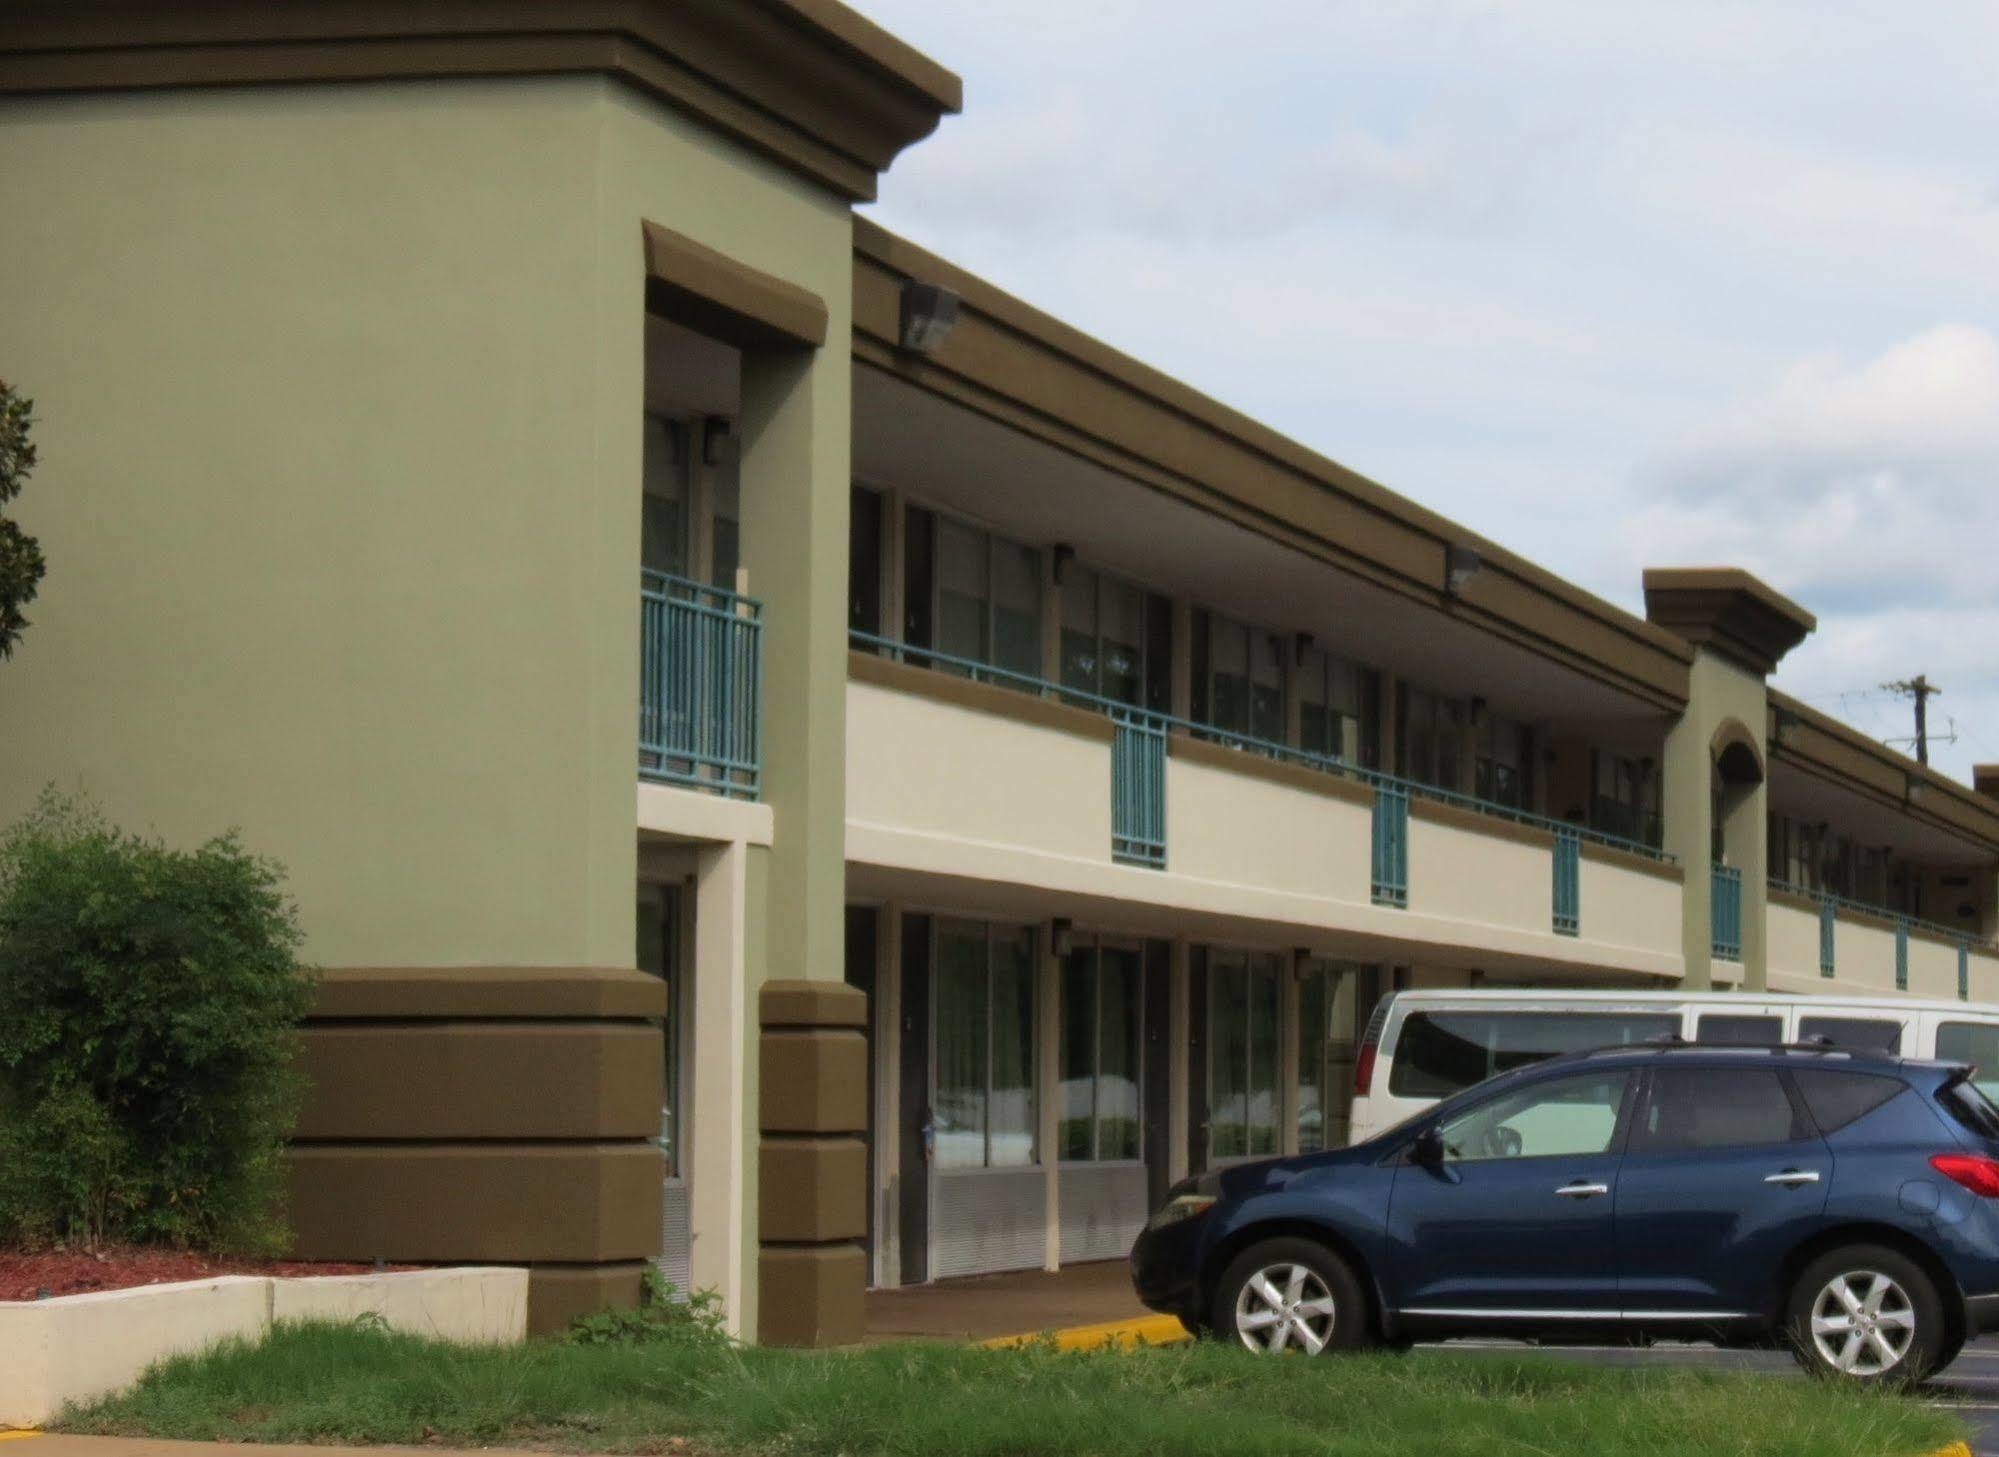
point(806, 82)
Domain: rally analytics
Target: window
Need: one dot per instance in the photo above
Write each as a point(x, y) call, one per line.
point(668, 466)
point(1795, 857)
point(1101, 1018)
point(725, 483)
point(1716, 1107)
point(1624, 797)
point(659, 955)
point(1839, 1098)
point(1976, 1043)
point(1238, 678)
point(1968, 1104)
point(1432, 739)
point(972, 594)
point(1504, 761)
point(1737, 1028)
point(1570, 1117)
point(1117, 640)
point(1853, 1032)
point(1242, 1054)
point(1337, 712)
point(1440, 1053)
point(864, 561)
point(984, 1010)
point(1322, 1116)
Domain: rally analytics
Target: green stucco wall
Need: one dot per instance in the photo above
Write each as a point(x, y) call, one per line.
point(340, 410)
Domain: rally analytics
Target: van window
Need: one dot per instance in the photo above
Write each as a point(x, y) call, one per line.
point(1742, 1030)
point(1839, 1098)
point(1716, 1107)
point(1441, 1053)
point(1854, 1032)
point(1976, 1043)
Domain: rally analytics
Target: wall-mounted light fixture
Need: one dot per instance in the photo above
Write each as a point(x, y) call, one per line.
point(1301, 962)
point(1461, 564)
point(1918, 789)
point(928, 312)
point(715, 433)
point(1063, 554)
point(1061, 935)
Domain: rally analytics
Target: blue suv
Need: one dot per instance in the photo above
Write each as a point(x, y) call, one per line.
point(1841, 1202)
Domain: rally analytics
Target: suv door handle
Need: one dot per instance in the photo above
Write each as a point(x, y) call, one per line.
point(1581, 1190)
point(1793, 1176)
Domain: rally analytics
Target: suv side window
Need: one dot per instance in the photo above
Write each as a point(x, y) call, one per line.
point(1839, 1098)
point(1697, 1108)
point(1567, 1117)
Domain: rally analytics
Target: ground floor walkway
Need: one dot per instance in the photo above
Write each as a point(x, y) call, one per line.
point(982, 1307)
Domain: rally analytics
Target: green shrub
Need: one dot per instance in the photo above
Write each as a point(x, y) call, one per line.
point(660, 1317)
point(149, 1001)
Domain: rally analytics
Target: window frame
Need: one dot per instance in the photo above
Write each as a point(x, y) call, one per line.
point(990, 540)
point(1153, 695)
point(1801, 1114)
point(1246, 961)
point(1620, 1135)
point(1321, 666)
point(991, 934)
point(1095, 946)
point(1201, 675)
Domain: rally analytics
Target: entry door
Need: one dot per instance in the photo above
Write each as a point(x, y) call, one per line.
point(1724, 1177)
point(1158, 1070)
point(1517, 1218)
point(863, 934)
point(913, 1181)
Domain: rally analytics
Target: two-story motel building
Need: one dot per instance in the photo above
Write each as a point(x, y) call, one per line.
point(487, 460)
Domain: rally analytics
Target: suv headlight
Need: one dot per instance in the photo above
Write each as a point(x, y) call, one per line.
point(1179, 1207)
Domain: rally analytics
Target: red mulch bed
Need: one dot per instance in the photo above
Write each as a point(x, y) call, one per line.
point(74, 1272)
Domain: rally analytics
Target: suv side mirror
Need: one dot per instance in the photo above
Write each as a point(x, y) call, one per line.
point(1428, 1149)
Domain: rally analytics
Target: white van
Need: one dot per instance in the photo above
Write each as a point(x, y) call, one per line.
point(1423, 1046)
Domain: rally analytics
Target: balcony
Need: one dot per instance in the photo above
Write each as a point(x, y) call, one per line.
point(700, 686)
point(959, 769)
point(1816, 938)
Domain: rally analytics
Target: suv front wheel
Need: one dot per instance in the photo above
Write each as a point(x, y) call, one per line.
point(1866, 1314)
point(1289, 1295)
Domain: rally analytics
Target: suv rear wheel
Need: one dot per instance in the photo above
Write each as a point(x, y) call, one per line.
point(1289, 1295)
point(1866, 1314)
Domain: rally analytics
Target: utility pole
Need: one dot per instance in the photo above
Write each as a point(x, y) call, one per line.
point(1919, 688)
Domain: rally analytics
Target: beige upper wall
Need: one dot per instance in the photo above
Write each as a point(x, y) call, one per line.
point(339, 412)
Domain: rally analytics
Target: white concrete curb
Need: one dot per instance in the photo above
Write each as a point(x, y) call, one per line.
point(77, 1347)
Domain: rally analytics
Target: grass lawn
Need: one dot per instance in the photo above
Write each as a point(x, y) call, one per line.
point(356, 1385)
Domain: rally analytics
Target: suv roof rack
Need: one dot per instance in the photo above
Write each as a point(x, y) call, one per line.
point(1674, 1042)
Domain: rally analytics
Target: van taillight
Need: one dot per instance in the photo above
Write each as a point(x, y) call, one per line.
point(1974, 1171)
point(1363, 1071)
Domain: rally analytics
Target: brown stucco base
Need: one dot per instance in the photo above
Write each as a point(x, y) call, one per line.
point(812, 1199)
point(485, 1116)
point(557, 1294)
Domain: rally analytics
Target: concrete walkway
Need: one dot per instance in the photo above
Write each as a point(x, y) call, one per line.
point(982, 1307)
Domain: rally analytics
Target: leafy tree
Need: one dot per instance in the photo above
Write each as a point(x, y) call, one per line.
point(21, 564)
point(149, 1003)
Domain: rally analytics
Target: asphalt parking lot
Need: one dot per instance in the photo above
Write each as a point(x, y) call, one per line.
point(1969, 1385)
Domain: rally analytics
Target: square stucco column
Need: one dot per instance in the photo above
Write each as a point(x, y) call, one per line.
point(810, 1110)
point(1739, 629)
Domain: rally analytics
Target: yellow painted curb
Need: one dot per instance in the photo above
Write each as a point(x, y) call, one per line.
point(1955, 1449)
point(31, 1432)
point(1144, 1330)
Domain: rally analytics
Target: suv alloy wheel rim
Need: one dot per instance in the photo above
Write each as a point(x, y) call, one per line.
point(1863, 1323)
point(1282, 1307)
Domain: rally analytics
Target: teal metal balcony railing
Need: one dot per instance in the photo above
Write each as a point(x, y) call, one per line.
point(1138, 769)
point(1568, 884)
point(1390, 876)
point(1725, 906)
point(1830, 905)
point(700, 686)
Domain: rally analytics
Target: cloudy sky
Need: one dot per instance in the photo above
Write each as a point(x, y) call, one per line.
point(1617, 284)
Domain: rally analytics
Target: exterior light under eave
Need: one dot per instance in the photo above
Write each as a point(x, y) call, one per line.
point(928, 312)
